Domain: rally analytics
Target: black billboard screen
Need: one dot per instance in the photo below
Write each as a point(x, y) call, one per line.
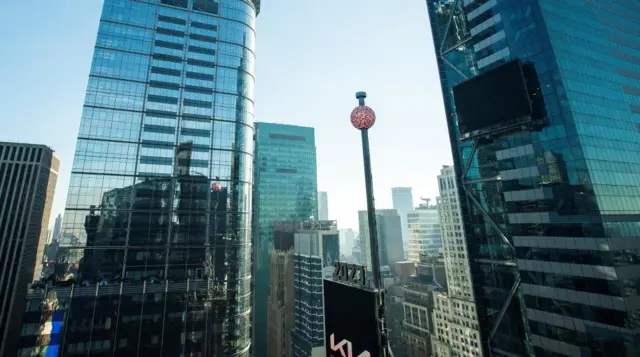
point(493, 97)
point(350, 321)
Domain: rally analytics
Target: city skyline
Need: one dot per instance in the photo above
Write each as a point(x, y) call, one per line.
point(190, 215)
point(59, 84)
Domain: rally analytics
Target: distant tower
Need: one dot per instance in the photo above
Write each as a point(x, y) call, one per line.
point(424, 231)
point(57, 228)
point(403, 203)
point(323, 206)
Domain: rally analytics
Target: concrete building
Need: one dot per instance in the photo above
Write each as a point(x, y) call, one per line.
point(405, 269)
point(302, 256)
point(424, 231)
point(455, 317)
point(395, 318)
point(323, 206)
point(452, 230)
point(418, 305)
point(28, 176)
point(403, 203)
point(389, 237)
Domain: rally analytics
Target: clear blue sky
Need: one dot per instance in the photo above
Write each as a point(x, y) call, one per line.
point(312, 56)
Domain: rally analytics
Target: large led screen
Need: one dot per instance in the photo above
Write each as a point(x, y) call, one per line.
point(350, 322)
point(493, 97)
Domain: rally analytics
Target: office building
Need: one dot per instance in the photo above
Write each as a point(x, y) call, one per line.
point(348, 239)
point(394, 313)
point(424, 231)
point(315, 251)
point(454, 315)
point(302, 255)
point(281, 293)
point(155, 253)
point(28, 175)
point(323, 206)
point(403, 203)
point(542, 107)
point(418, 305)
point(456, 253)
point(285, 189)
point(390, 248)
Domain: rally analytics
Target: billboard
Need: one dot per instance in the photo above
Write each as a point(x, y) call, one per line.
point(496, 96)
point(350, 321)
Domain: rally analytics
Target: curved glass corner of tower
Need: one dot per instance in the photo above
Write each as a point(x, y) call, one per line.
point(155, 253)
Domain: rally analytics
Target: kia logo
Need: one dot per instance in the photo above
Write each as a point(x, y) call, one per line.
point(341, 347)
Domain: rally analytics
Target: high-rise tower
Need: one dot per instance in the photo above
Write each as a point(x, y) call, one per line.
point(155, 253)
point(28, 176)
point(403, 203)
point(323, 206)
point(543, 108)
point(390, 248)
point(285, 190)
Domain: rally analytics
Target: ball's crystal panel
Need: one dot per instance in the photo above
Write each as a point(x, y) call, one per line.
point(363, 117)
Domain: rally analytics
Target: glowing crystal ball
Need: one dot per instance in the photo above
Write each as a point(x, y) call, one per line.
point(363, 117)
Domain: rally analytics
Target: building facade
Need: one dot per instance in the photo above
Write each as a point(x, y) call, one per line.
point(402, 198)
point(155, 252)
point(389, 237)
point(323, 206)
point(285, 189)
point(28, 176)
point(455, 318)
point(424, 231)
point(315, 251)
point(549, 195)
point(418, 305)
point(302, 256)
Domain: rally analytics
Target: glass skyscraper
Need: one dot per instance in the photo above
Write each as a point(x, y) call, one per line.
point(285, 190)
point(155, 253)
point(551, 202)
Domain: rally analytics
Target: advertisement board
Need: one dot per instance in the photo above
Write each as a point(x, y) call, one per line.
point(350, 318)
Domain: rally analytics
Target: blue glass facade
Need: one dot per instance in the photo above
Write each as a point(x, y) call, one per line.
point(155, 253)
point(552, 215)
point(285, 190)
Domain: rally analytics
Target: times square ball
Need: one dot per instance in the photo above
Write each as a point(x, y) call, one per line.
point(363, 117)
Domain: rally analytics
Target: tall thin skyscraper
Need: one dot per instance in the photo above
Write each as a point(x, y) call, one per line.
point(57, 228)
point(542, 106)
point(285, 189)
point(403, 203)
point(28, 176)
point(455, 309)
point(323, 206)
point(155, 255)
point(389, 237)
